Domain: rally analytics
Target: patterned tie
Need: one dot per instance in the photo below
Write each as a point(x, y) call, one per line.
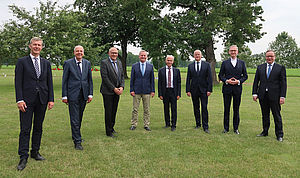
point(115, 67)
point(269, 70)
point(169, 78)
point(36, 67)
point(78, 65)
point(143, 69)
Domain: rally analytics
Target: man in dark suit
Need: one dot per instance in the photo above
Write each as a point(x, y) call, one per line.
point(199, 86)
point(269, 87)
point(232, 73)
point(77, 90)
point(141, 87)
point(34, 92)
point(111, 88)
point(169, 90)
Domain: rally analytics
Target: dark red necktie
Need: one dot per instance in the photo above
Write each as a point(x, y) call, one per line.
point(169, 78)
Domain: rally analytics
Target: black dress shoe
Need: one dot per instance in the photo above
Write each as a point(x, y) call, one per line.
point(206, 131)
point(112, 136)
point(197, 127)
point(78, 146)
point(114, 132)
point(225, 131)
point(22, 164)
point(280, 139)
point(237, 132)
point(147, 128)
point(262, 135)
point(173, 128)
point(167, 126)
point(132, 127)
point(37, 156)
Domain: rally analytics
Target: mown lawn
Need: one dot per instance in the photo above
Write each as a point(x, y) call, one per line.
point(160, 153)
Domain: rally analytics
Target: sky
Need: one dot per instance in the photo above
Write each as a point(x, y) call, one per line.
point(279, 15)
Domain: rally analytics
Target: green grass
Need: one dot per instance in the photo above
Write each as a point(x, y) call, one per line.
point(160, 153)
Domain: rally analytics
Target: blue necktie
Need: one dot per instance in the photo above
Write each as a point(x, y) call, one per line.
point(143, 69)
point(269, 70)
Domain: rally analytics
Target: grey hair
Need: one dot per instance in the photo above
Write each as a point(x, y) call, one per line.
point(78, 46)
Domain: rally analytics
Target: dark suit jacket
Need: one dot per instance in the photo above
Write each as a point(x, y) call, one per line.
point(142, 84)
point(110, 79)
point(276, 83)
point(162, 81)
point(73, 81)
point(201, 81)
point(227, 71)
point(27, 85)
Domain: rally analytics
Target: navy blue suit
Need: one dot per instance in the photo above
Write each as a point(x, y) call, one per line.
point(76, 86)
point(142, 84)
point(229, 91)
point(269, 91)
point(199, 83)
point(169, 94)
point(36, 93)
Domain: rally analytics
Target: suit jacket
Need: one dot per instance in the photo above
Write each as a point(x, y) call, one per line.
point(276, 83)
point(227, 71)
point(73, 81)
point(110, 79)
point(199, 81)
point(142, 84)
point(162, 82)
point(28, 86)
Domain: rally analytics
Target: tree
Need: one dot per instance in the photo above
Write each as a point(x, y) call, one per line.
point(60, 28)
point(116, 21)
point(286, 50)
point(199, 22)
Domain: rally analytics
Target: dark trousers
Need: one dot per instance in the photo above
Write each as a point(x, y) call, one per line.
point(110, 109)
point(170, 98)
point(37, 110)
point(266, 105)
point(196, 98)
point(236, 110)
point(76, 109)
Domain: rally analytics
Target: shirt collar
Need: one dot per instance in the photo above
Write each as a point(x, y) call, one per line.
point(77, 60)
point(32, 57)
point(167, 67)
point(271, 64)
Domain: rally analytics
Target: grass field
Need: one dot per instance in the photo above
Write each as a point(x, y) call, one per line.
point(160, 153)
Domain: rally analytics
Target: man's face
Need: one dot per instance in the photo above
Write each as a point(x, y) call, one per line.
point(169, 61)
point(79, 52)
point(36, 47)
point(113, 53)
point(197, 55)
point(143, 56)
point(233, 52)
point(270, 57)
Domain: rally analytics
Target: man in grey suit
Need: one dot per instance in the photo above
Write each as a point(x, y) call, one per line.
point(112, 87)
point(77, 90)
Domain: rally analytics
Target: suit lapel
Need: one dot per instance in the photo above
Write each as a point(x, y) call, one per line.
point(265, 71)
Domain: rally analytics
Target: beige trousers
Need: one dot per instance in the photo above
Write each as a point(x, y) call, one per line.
point(146, 106)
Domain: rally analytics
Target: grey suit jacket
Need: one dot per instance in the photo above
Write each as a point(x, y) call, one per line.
point(73, 81)
point(111, 79)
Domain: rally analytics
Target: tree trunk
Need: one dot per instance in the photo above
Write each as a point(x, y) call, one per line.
point(124, 57)
point(210, 57)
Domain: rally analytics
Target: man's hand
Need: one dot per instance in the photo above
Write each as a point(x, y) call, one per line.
point(232, 81)
point(22, 106)
point(121, 89)
point(208, 93)
point(178, 97)
point(188, 94)
point(281, 101)
point(50, 105)
point(89, 100)
point(65, 101)
point(255, 98)
point(152, 94)
point(161, 97)
point(132, 93)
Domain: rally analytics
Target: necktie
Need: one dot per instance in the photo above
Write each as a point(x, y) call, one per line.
point(269, 70)
point(36, 67)
point(198, 67)
point(169, 78)
point(78, 65)
point(115, 67)
point(143, 69)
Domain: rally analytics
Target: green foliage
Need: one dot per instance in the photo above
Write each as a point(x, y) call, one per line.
point(286, 50)
point(61, 28)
